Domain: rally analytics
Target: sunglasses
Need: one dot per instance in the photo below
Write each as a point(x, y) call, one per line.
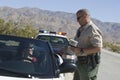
point(79, 17)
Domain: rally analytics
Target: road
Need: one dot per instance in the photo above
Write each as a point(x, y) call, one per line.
point(109, 67)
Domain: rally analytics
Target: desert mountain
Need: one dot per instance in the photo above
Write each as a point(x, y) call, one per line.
point(57, 21)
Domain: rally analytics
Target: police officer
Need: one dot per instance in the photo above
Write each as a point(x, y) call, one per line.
point(89, 46)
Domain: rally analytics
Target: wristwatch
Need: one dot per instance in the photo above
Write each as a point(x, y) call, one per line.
point(81, 51)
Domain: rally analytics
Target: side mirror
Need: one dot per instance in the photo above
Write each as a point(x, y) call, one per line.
point(67, 67)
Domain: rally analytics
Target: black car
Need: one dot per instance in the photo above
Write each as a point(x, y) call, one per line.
point(27, 58)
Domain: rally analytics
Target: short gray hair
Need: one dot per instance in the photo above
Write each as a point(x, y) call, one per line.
point(83, 11)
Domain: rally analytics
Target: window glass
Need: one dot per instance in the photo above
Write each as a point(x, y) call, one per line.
point(25, 56)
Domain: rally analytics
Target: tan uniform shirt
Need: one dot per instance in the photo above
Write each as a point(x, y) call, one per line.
point(90, 36)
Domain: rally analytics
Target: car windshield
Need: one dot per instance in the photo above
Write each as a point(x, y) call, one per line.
point(54, 40)
point(22, 57)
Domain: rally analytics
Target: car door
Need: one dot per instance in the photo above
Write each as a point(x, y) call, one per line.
point(14, 64)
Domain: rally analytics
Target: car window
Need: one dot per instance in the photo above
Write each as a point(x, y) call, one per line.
point(22, 56)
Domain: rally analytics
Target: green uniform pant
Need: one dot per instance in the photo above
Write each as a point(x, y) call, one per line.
point(86, 72)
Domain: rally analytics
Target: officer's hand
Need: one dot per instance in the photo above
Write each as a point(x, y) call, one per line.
point(76, 50)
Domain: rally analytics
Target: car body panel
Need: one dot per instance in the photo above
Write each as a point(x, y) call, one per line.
point(15, 78)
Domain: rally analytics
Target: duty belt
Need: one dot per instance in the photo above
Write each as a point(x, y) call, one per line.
point(83, 59)
point(94, 59)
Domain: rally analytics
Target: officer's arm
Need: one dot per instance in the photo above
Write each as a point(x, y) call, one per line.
point(91, 50)
point(86, 51)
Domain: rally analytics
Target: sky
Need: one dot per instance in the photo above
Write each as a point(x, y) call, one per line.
point(103, 10)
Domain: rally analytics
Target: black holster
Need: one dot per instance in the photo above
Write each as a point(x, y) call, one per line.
point(94, 59)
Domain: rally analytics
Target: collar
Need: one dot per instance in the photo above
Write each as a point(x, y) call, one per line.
point(86, 26)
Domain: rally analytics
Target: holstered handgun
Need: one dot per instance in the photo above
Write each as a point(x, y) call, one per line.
point(95, 59)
